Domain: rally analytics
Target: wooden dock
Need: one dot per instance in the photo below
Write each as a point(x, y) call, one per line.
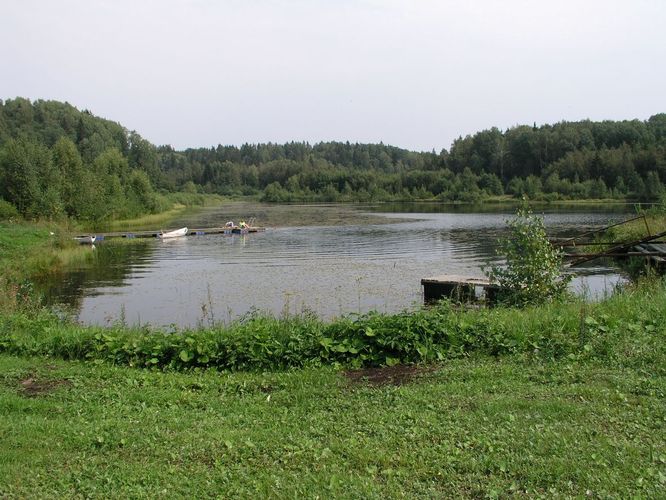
point(190, 232)
point(648, 247)
point(459, 289)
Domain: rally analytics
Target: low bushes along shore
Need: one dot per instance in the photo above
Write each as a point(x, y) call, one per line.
point(626, 329)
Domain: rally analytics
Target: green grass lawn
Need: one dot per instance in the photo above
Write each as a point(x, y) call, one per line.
point(17, 239)
point(470, 427)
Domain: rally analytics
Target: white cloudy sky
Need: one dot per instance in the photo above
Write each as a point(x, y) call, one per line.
point(414, 74)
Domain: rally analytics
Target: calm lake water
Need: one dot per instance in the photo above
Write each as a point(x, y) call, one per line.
point(366, 258)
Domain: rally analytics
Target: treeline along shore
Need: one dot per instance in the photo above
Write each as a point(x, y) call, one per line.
point(56, 160)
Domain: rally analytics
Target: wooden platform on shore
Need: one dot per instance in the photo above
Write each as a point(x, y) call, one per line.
point(458, 288)
point(190, 232)
point(648, 246)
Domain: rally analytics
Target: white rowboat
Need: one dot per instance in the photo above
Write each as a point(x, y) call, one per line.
point(173, 234)
point(86, 240)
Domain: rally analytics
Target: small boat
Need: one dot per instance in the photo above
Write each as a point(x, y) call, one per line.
point(86, 240)
point(173, 234)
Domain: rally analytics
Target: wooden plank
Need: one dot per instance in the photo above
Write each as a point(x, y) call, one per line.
point(620, 254)
point(619, 249)
point(458, 288)
point(453, 279)
point(571, 241)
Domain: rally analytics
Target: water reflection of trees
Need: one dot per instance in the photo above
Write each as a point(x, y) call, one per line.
point(442, 208)
point(495, 208)
point(475, 244)
point(110, 265)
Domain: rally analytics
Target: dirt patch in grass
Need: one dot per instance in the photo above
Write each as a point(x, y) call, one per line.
point(387, 375)
point(33, 388)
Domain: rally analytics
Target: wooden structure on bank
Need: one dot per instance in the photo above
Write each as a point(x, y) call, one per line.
point(651, 247)
point(459, 289)
point(471, 289)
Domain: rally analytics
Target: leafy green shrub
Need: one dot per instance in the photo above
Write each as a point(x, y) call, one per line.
point(532, 273)
point(7, 210)
point(658, 208)
point(190, 199)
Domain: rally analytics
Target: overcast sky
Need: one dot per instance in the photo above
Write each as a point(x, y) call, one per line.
point(415, 74)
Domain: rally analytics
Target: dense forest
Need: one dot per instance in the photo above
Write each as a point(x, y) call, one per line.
point(58, 161)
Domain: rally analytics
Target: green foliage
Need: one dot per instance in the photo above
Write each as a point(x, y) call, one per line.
point(139, 195)
point(77, 197)
point(28, 253)
point(50, 155)
point(189, 187)
point(192, 199)
point(625, 330)
point(7, 210)
point(660, 207)
point(274, 192)
point(563, 161)
point(565, 398)
point(25, 166)
point(59, 161)
point(532, 271)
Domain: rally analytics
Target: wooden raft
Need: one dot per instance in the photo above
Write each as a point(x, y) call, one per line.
point(458, 288)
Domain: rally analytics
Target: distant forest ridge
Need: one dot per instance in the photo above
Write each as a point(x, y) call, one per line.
point(56, 160)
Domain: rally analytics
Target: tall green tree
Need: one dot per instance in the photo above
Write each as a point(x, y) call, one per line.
point(24, 165)
point(68, 162)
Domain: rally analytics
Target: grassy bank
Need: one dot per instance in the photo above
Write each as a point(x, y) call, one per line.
point(30, 252)
point(627, 329)
point(150, 220)
point(479, 427)
point(654, 223)
point(178, 203)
